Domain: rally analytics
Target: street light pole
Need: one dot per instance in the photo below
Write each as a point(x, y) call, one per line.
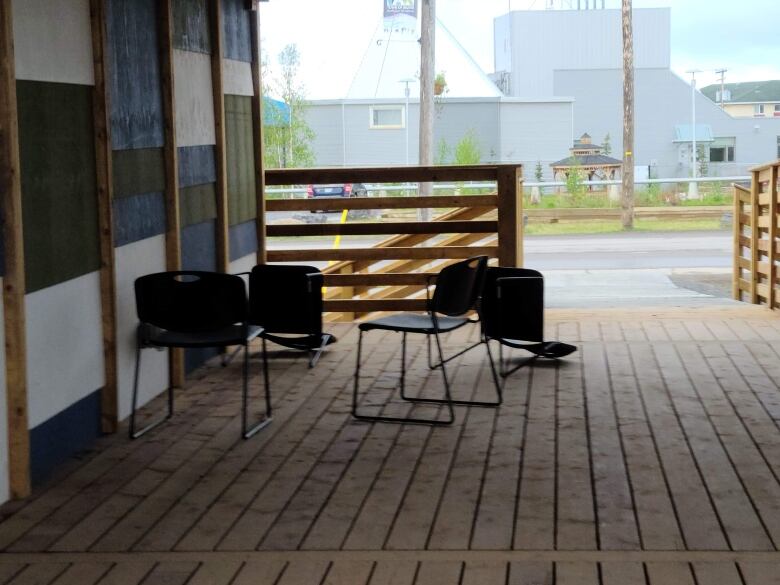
point(406, 81)
point(693, 187)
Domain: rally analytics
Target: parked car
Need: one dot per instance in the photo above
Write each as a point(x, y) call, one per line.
point(336, 190)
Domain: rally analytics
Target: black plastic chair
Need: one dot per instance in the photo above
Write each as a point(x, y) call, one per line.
point(457, 291)
point(286, 301)
point(190, 309)
point(512, 313)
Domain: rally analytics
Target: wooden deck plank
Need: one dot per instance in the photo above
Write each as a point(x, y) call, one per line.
point(698, 520)
point(349, 573)
point(576, 574)
point(216, 572)
point(254, 572)
point(484, 574)
point(439, 573)
point(303, 573)
point(394, 573)
point(39, 574)
point(83, 574)
point(617, 524)
point(623, 574)
point(717, 573)
point(760, 573)
point(531, 573)
point(670, 574)
point(128, 573)
point(759, 365)
point(171, 573)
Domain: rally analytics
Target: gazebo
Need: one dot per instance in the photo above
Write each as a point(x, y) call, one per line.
point(590, 159)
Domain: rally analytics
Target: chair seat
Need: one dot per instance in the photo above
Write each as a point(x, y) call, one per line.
point(414, 323)
point(232, 335)
point(546, 349)
point(302, 342)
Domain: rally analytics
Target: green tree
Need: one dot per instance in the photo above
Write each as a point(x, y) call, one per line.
point(702, 161)
point(468, 150)
point(442, 152)
point(538, 172)
point(287, 136)
point(606, 145)
point(574, 180)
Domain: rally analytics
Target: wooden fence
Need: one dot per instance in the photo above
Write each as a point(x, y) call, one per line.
point(391, 275)
point(756, 245)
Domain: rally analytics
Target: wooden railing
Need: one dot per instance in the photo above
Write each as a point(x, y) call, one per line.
point(391, 275)
point(756, 238)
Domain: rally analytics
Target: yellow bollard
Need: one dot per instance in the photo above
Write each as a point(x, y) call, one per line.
point(336, 243)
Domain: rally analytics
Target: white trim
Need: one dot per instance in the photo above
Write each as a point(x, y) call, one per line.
point(388, 108)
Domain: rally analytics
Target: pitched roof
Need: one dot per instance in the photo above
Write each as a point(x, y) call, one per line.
point(587, 160)
point(749, 91)
point(683, 133)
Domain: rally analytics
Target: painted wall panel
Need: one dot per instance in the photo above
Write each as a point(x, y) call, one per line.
point(197, 165)
point(240, 159)
point(194, 99)
point(137, 171)
point(136, 95)
point(134, 260)
point(138, 217)
point(198, 204)
point(53, 41)
point(237, 78)
point(59, 201)
point(244, 264)
point(4, 487)
point(235, 25)
point(64, 346)
point(191, 26)
point(243, 239)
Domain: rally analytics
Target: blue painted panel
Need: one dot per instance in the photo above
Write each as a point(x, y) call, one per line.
point(197, 165)
point(235, 19)
point(199, 252)
point(242, 239)
point(138, 217)
point(64, 435)
point(136, 94)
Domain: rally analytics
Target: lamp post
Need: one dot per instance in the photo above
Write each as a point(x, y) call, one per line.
point(693, 187)
point(406, 81)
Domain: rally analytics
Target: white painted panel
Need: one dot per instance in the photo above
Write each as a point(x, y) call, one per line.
point(194, 99)
point(132, 261)
point(237, 77)
point(5, 492)
point(244, 264)
point(53, 41)
point(64, 346)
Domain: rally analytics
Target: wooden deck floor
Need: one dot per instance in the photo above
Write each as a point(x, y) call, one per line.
point(651, 456)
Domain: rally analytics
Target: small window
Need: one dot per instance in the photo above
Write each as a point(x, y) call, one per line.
point(387, 117)
point(722, 150)
point(777, 110)
point(758, 109)
point(778, 147)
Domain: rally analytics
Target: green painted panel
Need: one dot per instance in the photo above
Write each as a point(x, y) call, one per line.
point(138, 171)
point(59, 200)
point(198, 204)
point(240, 159)
point(191, 26)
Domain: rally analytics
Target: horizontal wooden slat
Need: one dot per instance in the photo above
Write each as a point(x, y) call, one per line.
point(765, 199)
point(410, 174)
point(338, 203)
point(744, 219)
point(744, 285)
point(744, 263)
point(379, 279)
point(389, 228)
point(765, 166)
point(372, 305)
point(765, 173)
point(764, 221)
point(762, 268)
point(763, 290)
point(744, 241)
point(432, 253)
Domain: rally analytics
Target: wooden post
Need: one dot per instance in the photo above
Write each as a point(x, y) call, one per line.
point(510, 215)
point(173, 217)
point(772, 232)
point(109, 400)
point(755, 187)
point(13, 281)
point(257, 135)
point(736, 275)
point(220, 154)
point(627, 195)
point(427, 73)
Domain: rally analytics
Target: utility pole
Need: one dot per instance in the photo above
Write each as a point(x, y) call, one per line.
point(427, 65)
point(693, 187)
point(627, 196)
point(722, 73)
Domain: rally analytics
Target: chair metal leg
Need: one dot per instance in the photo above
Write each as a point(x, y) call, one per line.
point(504, 370)
point(247, 431)
point(316, 353)
point(397, 419)
point(433, 366)
point(134, 405)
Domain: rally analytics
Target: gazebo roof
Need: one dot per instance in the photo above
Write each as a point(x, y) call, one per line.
point(588, 160)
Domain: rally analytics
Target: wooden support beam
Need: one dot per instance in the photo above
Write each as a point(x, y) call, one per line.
point(347, 279)
point(13, 280)
point(109, 397)
point(220, 149)
point(405, 174)
point(376, 254)
point(772, 233)
point(257, 135)
point(337, 204)
point(389, 228)
point(755, 188)
point(173, 216)
point(737, 220)
point(510, 215)
point(373, 305)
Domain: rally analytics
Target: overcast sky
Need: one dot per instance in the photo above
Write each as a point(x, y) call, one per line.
point(741, 36)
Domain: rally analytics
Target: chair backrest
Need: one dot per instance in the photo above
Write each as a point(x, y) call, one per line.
point(191, 301)
point(458, 286)
point(519, 311)
point(286, 298)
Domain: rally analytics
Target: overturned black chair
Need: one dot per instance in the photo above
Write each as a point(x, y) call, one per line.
point(193, 309)
point(512, 313)
point(286, 301)
point(456, 294)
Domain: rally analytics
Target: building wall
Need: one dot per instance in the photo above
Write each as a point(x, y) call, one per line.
point(532, 44)
point(598, 111)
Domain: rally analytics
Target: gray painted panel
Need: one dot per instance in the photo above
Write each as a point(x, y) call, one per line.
point(243, 239)
point(235, 19)
point(136, 96)
point(196, 165)
point(191, 26)
point(138, 217)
